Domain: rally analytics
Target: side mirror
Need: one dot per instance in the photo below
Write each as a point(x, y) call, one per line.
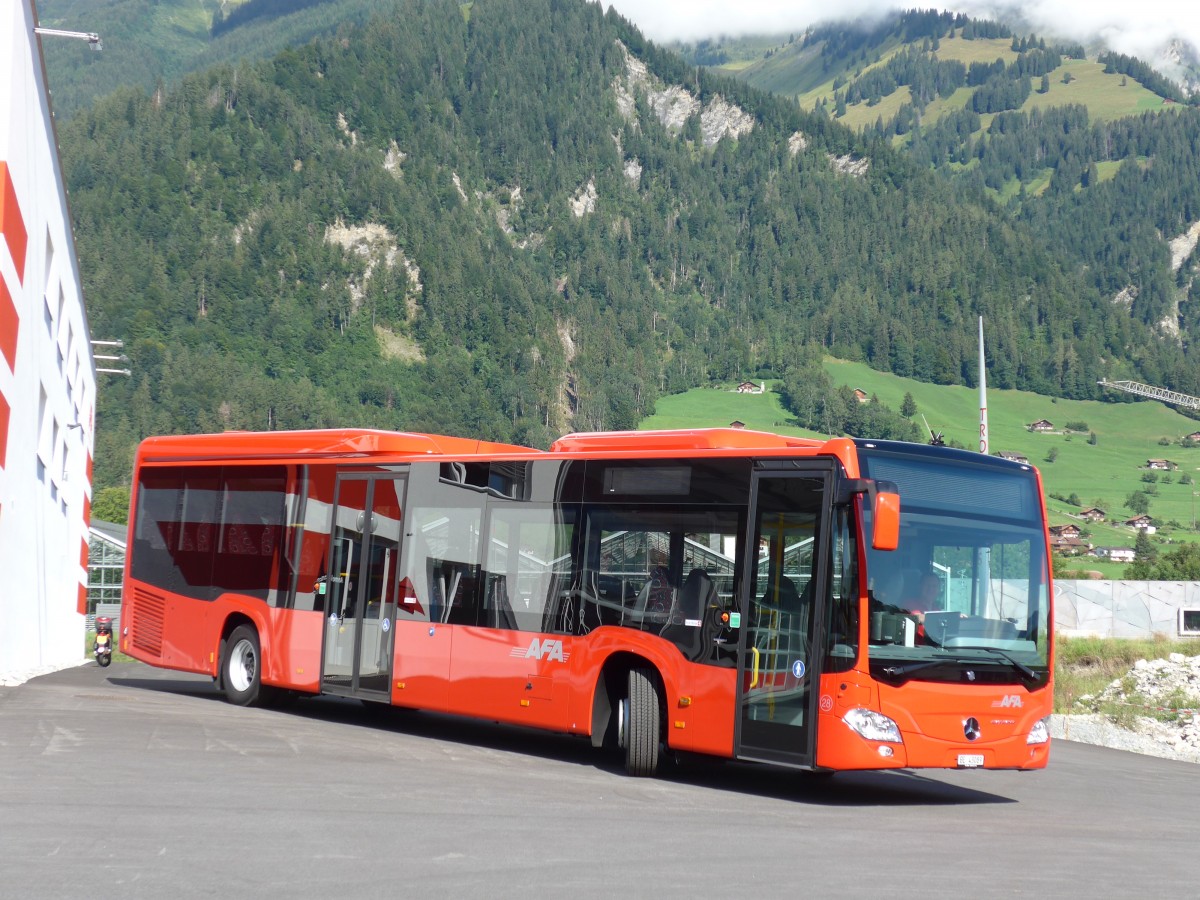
point(884, 497)
point(885, 517)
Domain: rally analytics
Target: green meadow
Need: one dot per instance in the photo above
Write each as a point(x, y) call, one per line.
point(1106, 96)
point(1100, 474)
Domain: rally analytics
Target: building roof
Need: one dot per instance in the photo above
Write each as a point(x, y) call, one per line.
point(1015, 457)
point(110, 532)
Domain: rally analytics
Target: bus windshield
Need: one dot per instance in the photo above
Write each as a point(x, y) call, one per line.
point(965, 598)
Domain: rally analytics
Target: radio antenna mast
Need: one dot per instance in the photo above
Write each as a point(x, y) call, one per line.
point(935, 437)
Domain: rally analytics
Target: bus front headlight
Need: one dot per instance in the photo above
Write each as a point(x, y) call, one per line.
point(873, 726)
point(1039, 733)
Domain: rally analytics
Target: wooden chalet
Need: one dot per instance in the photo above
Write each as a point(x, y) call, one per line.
point(1141, 523)
point(1065, 531)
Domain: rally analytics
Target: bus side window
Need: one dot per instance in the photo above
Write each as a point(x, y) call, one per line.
point(312, 582)
point(528, 559)
point(177, 519)
point(441, 558)
point(248, 557)
point(451, 592)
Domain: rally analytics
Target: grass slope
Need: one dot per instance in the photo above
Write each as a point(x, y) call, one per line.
point(1106, 96)
point(719, 407)
point(1103, 474)
point(800, 72)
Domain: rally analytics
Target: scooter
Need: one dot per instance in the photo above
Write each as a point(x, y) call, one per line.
point(102, 646)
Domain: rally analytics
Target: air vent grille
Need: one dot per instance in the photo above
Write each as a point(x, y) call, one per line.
point(146, 623)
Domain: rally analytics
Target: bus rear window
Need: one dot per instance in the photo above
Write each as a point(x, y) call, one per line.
point(202, 532)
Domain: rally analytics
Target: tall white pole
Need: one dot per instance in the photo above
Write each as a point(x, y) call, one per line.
point(983, 562)
point(983, 423)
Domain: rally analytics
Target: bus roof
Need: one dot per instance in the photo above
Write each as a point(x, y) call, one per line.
point(343, 443)
point(334, 442)
point(679, 439)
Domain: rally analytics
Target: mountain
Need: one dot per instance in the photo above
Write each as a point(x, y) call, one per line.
point(1097, 156)
point(149, 42)
point(519, 218)
point(866, 62)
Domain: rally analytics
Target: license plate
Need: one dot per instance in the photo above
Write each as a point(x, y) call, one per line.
point(970, 760)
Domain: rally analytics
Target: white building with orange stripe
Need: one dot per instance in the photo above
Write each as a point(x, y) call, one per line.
point(47, 374)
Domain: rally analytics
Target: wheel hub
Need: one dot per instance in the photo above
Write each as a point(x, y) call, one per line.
point(242, 664)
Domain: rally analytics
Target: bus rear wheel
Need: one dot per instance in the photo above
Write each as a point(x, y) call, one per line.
point(640, 724)
point(241, 667)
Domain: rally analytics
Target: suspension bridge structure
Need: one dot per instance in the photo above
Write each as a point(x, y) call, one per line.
point(1154, 393)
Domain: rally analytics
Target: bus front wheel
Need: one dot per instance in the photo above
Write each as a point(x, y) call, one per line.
point(640, 724)
point(241, 667)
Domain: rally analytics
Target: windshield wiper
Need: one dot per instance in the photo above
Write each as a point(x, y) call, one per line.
point(1015, 663)
point(906, 670)
point(901, 671)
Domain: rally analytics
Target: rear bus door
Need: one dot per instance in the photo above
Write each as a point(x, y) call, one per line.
point(363, 577)
point(785, 575)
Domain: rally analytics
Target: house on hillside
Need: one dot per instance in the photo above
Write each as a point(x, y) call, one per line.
point(1163, 465)
point(1069, 546)
point(737, 423)
point(1194, 437)
point(1013, 457)
point(1065, 531)
point(749, 387)
point(1093, 514)
point(860, 395)
point(1115, 554)
point(1041, 425)
point(1141, 523)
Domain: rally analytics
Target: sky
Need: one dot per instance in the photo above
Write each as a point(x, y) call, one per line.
point(1139, 29)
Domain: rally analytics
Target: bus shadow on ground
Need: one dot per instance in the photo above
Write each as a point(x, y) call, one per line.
point(845, 789)
point(173, 683)
point(900, 787)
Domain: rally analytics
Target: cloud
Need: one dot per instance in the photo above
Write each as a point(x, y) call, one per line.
point(1140, 29)
point(690, 20)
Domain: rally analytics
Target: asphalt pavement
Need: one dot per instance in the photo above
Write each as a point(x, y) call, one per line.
point(133, 782)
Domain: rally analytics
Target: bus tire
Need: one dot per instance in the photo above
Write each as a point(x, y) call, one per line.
point(642, 724)
point(241, 668)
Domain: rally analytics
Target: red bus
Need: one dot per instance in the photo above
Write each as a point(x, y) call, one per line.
point(828, 605)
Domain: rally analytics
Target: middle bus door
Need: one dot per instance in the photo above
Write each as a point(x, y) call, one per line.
point(779, 641)
point(364, 568)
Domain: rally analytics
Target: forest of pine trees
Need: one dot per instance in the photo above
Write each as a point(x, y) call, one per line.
point(202, 211)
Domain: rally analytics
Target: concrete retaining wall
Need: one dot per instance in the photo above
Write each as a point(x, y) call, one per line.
point(1123, 609)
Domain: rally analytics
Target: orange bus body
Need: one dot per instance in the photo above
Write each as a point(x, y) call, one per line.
point(718, 696)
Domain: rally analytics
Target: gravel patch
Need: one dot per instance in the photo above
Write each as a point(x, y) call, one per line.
point(1096, 729)
point(1169, 688)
